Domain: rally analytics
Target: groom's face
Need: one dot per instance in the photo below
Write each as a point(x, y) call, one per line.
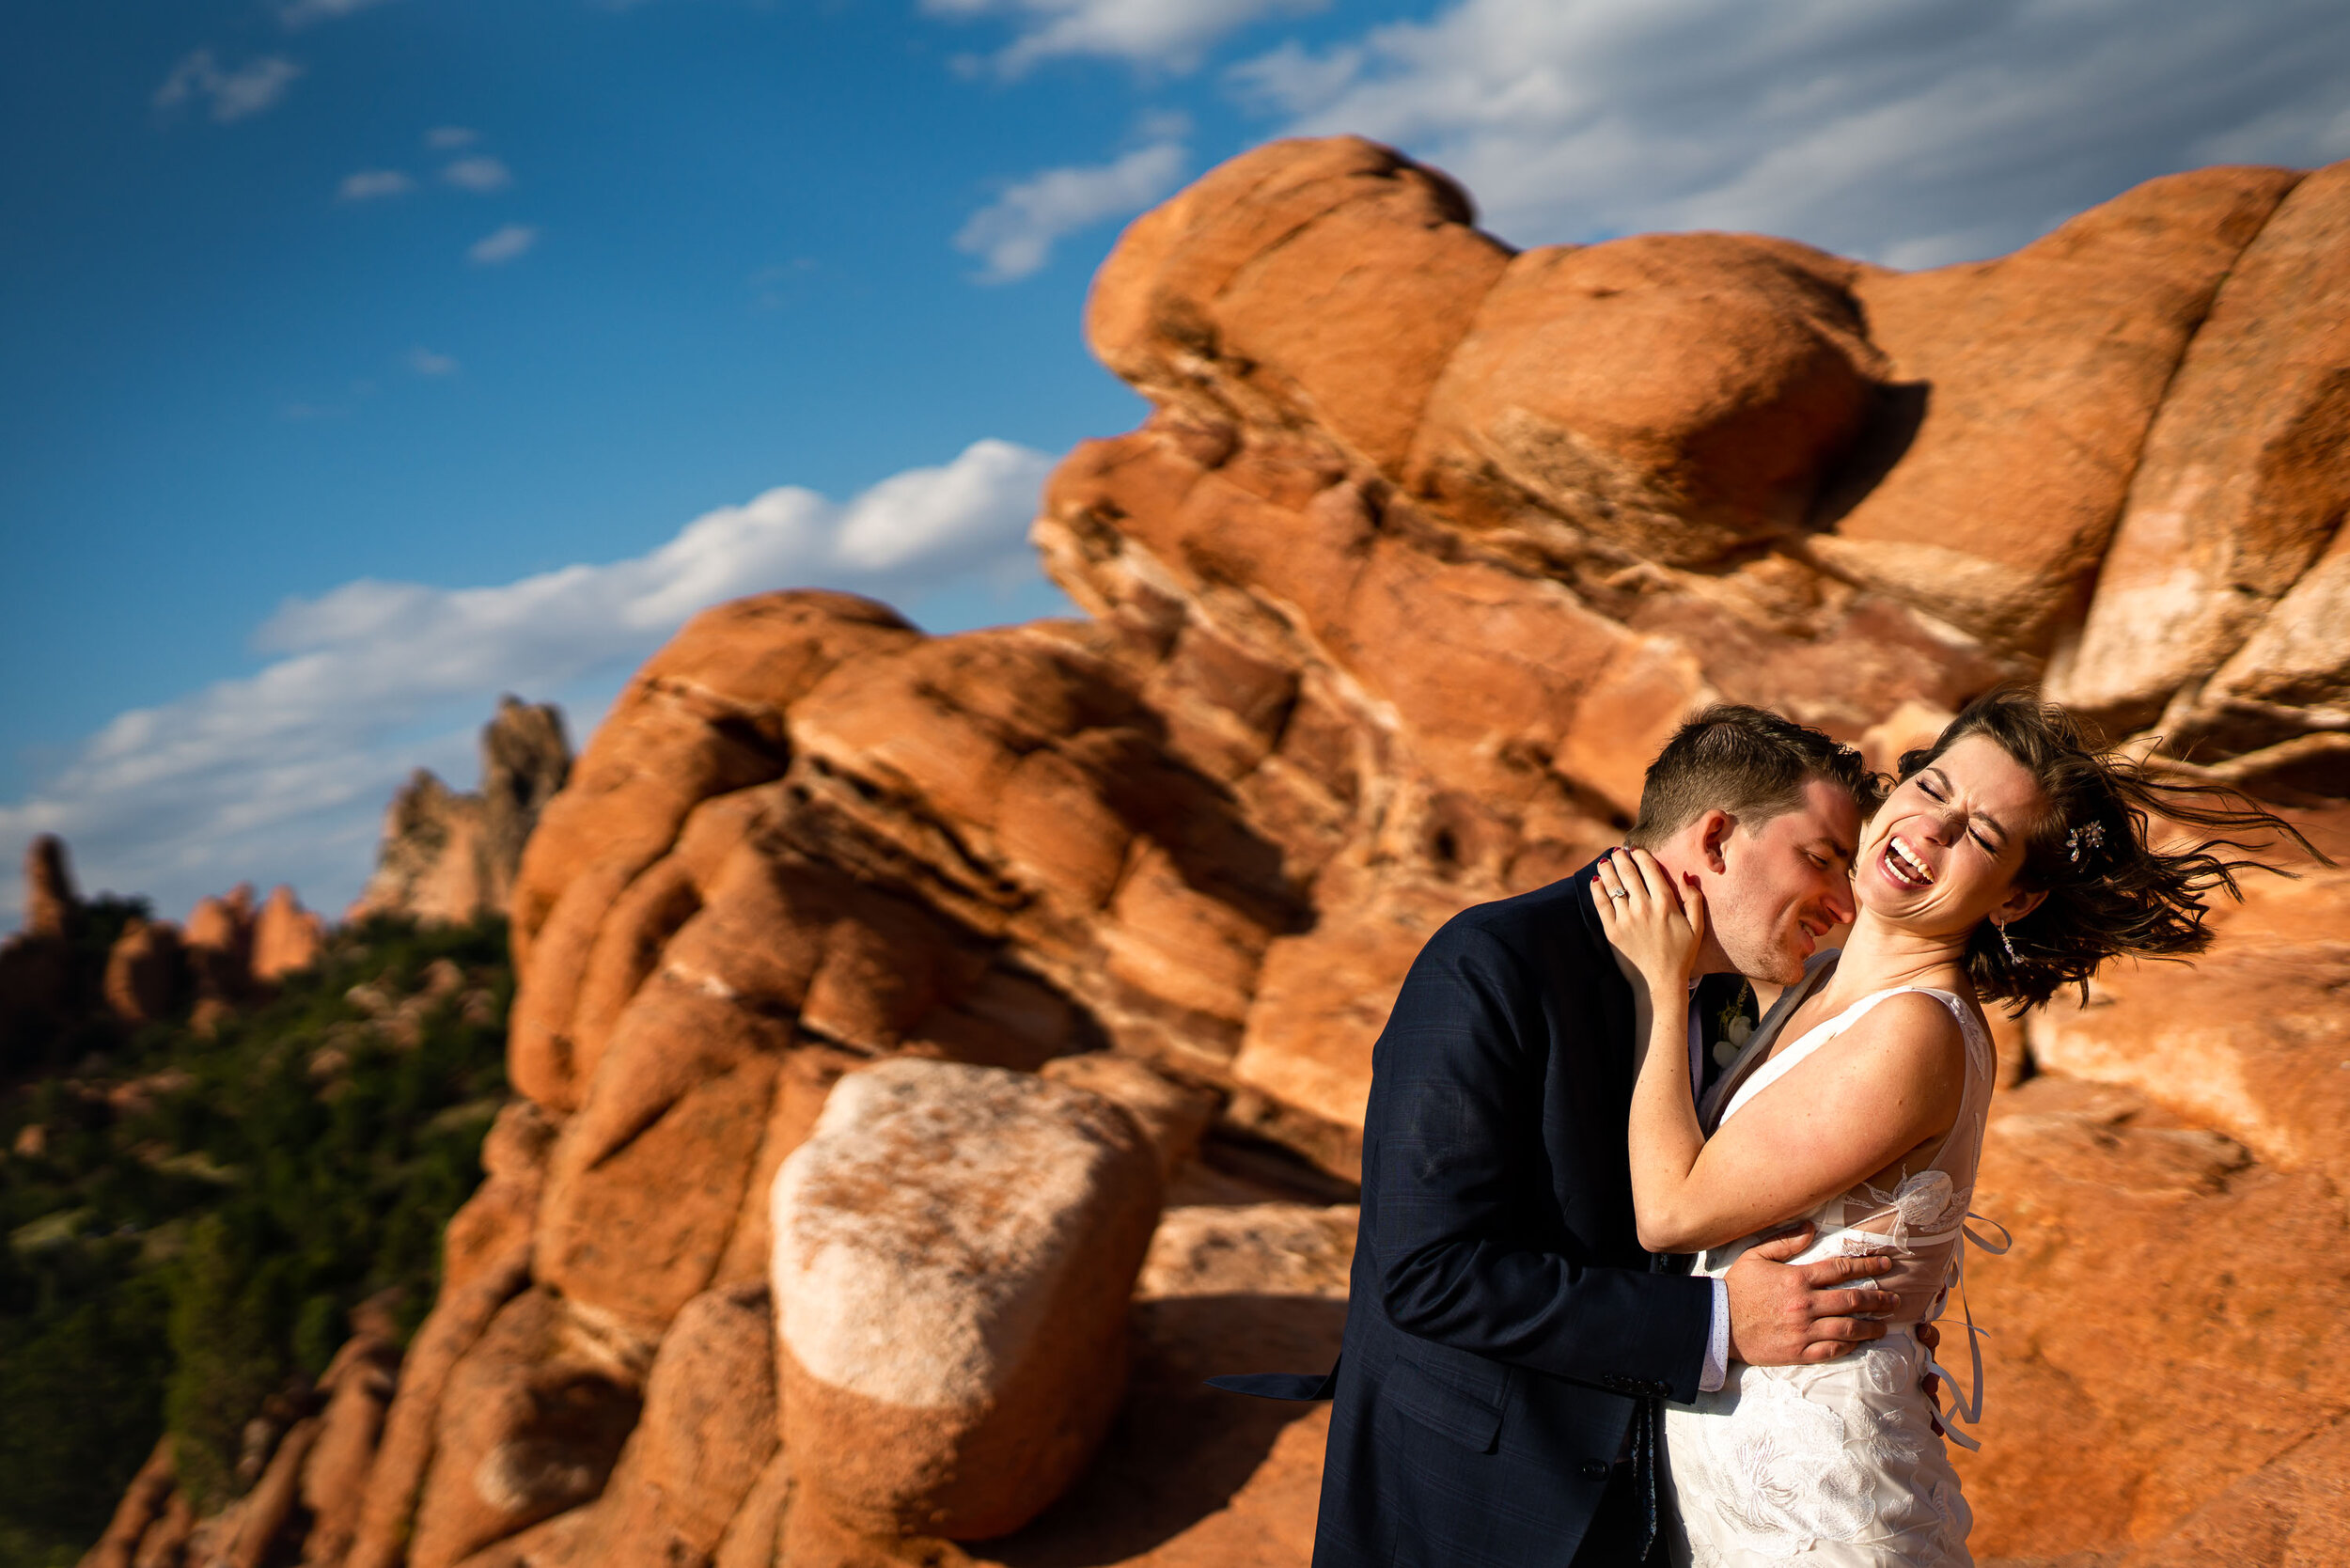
point(1785, 883)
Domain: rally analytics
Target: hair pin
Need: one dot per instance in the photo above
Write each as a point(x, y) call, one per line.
point(2089, 836)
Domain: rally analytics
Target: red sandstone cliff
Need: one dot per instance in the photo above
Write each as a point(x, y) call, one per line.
point(1426, 546)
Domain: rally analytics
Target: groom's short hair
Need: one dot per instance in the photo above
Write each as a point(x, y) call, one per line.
point(1749, 762)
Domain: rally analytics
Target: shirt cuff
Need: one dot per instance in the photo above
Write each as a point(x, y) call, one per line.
point(1718, 1344)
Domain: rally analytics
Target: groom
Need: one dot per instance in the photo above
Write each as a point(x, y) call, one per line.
point(1507, 1338)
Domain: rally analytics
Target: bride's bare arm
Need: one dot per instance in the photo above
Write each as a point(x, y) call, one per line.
point(1881, 1089)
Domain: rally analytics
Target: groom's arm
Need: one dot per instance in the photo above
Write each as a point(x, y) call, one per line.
point(1456, 1087)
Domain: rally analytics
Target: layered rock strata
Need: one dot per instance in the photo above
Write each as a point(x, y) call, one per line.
point(1425, 547)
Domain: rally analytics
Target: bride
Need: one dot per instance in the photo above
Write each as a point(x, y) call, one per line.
point(2010, 860)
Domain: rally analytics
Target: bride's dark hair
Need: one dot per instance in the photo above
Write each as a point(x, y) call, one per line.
point(2111, 892)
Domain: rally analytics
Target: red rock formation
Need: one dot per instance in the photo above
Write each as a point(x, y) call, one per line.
point(285, 936)
point(149, 1493)
point(218, 941)
point(36, 964)
point(2245, 478)
point(358, 1388)
point(953, 1251)
point(145, 969)
point(49, 903)
point(1425, 548)
point(451, 857)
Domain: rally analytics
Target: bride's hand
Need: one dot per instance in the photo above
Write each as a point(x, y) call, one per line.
point(1654, 924)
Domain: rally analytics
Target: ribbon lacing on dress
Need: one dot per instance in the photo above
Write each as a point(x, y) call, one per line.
point(1966, 1411)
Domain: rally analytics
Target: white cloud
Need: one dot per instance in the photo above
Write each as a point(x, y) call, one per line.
point(1014, 234)
point(502, 245)
point(1912, 134)
point(442, 138)
point(369, 184)
point(301, 13)
point(256, 85)
point(282, 774)
point(424, 362)
point(1169, 35)
point(479, 172)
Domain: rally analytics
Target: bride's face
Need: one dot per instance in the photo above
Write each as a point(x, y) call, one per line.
point(1944, 850)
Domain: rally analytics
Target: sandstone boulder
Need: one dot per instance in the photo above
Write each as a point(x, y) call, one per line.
point(2024, 389)
point(492, 1231)
point(166, 1540)
point(804, 1082)
point(754, 1534)
point(1190, 1477)
point(2244, 475)
point(1324, 281)
point(1679, 395)
point(953, 1252)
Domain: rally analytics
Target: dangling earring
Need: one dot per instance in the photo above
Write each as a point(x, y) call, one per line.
point(2006, 941)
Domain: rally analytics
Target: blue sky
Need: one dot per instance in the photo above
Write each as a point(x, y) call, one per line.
point(329, 329)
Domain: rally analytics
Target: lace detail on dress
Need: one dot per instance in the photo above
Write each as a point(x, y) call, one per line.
point(1793, 1482)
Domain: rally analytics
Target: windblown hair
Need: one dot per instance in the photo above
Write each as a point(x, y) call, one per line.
point(1749, 762)
point(2111, 892)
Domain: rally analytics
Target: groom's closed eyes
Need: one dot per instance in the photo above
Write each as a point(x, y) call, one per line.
point(1831, 855)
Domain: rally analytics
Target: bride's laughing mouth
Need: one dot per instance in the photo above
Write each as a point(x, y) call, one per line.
point(1903, 866)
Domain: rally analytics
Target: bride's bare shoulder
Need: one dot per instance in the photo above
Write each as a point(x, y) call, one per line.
point(1922, 1025)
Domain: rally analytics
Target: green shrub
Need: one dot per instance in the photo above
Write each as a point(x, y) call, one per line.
point(181, 1264)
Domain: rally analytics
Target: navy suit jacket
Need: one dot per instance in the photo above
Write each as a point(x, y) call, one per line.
point(1506, 1326)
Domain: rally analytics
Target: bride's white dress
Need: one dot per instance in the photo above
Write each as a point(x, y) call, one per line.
point(1837, 1464)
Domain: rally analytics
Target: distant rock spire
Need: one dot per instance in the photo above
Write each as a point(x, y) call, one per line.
point(451, 856)
point(49, 903)
point(526, 759)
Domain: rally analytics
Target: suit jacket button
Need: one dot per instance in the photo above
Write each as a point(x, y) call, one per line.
point(1594, 1468)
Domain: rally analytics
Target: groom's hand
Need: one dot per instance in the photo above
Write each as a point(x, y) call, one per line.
point(1782, 1314)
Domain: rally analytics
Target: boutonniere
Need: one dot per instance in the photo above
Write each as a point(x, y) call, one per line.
point(1733, 1027)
